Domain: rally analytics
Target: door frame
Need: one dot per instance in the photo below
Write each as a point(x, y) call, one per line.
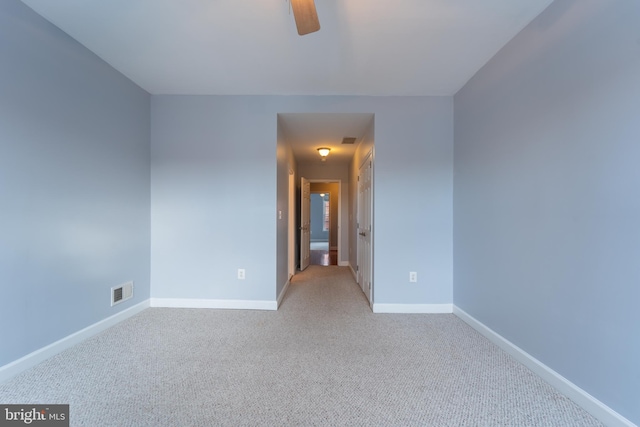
point(292, 225)
point(368, 158)
point(305, 207)
point(331, 223)
point(339, 219)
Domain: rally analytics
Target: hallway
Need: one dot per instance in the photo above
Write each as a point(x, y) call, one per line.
point(323, 286)
point(323, 257)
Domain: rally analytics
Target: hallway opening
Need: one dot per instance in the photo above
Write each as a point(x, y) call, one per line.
point(325, 215)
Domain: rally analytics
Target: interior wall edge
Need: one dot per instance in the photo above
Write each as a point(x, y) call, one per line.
point(583, 399)
point(12, 369)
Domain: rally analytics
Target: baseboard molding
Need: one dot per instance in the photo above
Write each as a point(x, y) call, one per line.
point(344, 264)
point(282, 293)
point(589, 403)
point(232, 304)
point(30, 360)
point(413, 308)
point(353, 272)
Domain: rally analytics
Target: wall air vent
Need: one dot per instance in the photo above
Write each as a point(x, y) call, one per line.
point(347, 140)
point(121, 293)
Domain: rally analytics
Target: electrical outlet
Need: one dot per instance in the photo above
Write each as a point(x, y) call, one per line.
point(241, 273)
point(413, 276)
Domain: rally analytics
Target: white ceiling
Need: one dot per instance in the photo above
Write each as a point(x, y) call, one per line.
point(251, 47)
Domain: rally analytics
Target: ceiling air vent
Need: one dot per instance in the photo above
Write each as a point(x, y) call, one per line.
point(121, 293)
point(347, 140)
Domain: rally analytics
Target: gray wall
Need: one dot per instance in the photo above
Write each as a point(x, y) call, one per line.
point(285, 163)
point(546, 237)
point(213, 202)
point(218, 181)
point(74, 184)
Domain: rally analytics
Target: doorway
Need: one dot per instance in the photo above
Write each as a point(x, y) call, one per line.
point(323, 248)
point(325, 236)
point(319, 222)
point(350, 136)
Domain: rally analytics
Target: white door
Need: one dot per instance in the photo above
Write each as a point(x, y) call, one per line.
point(305, 220)
point(365, 228)
point(291, 256)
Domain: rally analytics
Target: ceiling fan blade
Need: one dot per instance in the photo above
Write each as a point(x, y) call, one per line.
point(304, 11)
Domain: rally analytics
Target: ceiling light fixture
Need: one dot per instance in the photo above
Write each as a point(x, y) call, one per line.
point(324, 152)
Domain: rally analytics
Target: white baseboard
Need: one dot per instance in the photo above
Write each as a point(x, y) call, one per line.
point(353, 272)
point(413, 308)
point(30, 360)
point(283, 292)
point(589, 403)
point(344, 264)
point(214, 303)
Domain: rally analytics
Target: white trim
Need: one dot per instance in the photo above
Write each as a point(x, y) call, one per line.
point(344, 264)
point(283, 292)
point(30, 360)
point(214, 303)
point(589, 403)
point(339, 182)
point(291, 223)
point(355, 276)
point(413, 308)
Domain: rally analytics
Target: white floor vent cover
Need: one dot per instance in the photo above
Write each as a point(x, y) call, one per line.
point(121, 293)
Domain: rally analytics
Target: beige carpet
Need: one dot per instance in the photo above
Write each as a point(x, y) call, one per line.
point(322, 359)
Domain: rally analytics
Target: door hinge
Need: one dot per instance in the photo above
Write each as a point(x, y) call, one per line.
point(357, 268)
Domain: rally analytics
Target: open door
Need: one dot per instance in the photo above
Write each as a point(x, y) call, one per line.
point(305, 226)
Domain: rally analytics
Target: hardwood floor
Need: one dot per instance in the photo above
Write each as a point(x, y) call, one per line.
point(324, 257)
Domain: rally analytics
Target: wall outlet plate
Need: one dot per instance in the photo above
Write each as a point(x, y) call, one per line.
point(413, 276)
